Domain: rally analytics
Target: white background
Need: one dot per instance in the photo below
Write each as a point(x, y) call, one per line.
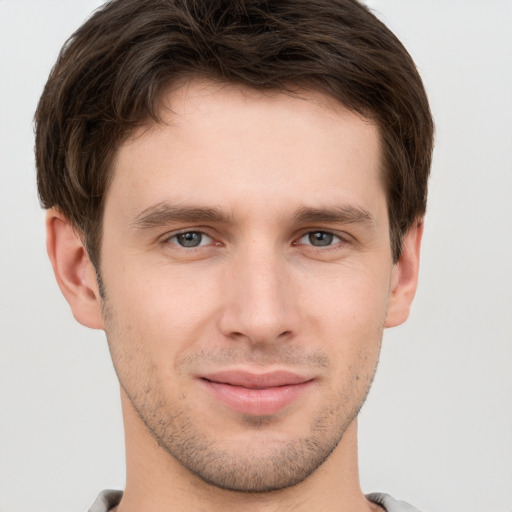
point(437, 428)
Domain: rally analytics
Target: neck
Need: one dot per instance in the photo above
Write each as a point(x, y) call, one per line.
point(156, 481)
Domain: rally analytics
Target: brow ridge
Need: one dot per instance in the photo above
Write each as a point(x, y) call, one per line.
point(346, 214)
point(166, 213)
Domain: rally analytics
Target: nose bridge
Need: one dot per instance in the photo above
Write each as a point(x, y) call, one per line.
point(259, 303)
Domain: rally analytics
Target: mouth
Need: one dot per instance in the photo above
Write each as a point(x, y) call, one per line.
point(256, 394)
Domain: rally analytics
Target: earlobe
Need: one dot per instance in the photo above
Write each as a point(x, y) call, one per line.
point(73, 270)
point(405, 277)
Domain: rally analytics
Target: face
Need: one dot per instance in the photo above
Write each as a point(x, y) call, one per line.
point(247, 269)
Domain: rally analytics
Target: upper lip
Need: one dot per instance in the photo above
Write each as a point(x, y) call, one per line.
point(256, 380)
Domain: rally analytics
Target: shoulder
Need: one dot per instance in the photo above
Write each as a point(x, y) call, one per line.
point(390, 504)
point(106, 500)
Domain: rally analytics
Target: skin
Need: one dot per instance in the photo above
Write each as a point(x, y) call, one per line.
point(293, 273)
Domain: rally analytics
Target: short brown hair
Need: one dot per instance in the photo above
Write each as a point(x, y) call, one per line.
point(112, 71)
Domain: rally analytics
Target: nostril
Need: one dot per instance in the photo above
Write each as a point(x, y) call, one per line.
point(236, 335)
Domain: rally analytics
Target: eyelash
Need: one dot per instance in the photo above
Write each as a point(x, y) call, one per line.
point(323, 233)
point(174, 236)
point(334, 236)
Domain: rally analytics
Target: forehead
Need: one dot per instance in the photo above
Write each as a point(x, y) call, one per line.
point(228, 145)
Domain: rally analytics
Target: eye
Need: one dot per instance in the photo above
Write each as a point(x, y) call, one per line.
point(190, 239)
point(320, 239)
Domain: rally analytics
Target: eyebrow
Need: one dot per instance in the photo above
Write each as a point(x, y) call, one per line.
point(346, 214)
point(165, 213)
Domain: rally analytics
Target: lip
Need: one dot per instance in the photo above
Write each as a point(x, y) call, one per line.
point(261, 394)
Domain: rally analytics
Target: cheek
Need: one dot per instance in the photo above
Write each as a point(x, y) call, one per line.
point(346, 311)
point(151, 323)
point(162, 306)
point(348, 297)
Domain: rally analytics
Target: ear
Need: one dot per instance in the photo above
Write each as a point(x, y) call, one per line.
point(73, 270)
point(404, 279)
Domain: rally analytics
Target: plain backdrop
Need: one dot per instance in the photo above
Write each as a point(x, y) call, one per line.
point(437, 427)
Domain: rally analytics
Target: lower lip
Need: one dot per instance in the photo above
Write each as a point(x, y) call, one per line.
point(257, 402)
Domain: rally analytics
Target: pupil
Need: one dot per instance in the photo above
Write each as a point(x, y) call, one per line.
point(320, 238)
point(190, 239)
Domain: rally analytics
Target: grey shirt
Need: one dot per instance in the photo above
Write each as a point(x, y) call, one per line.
point(109, 499)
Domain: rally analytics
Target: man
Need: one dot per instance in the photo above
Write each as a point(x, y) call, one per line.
point(235, 193)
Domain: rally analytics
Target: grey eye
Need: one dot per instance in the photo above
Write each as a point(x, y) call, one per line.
point(319, 238)
point(191, 239)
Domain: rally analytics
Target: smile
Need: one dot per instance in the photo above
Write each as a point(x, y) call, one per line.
point(256, 394)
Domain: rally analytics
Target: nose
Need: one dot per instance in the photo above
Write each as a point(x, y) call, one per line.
point(259, 301)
